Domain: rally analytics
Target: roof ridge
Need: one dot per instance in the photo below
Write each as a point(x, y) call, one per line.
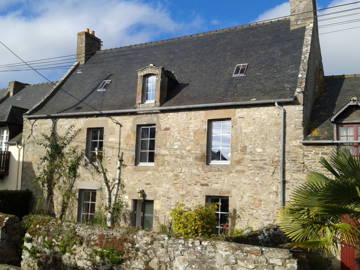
point(44, 83)
point(344, 76)
point(228, 29)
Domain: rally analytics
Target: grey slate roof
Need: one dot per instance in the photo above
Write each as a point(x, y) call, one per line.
point(12, 108)
point(203, 65)
point(337, 93)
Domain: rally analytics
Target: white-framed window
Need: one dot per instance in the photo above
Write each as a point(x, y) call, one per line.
point(219, 141)
point(103, 85)
point(240, 70)
point(350, 133)
point(94, 142)
point(222, 212)
point(87, 203)
point(149, 88)
point(4, 138)
point(146, 145)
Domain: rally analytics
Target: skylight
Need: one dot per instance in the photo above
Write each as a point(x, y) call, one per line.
point(103, 85)
point(240, 70)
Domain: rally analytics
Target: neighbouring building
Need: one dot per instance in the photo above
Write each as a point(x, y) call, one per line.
point(237, 116)
point(14, 102)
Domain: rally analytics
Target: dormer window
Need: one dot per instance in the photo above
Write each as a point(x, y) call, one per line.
point(240, 70)
point(149, 88)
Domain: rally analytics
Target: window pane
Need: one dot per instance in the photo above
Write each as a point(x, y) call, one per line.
point(225, 154)
point(224, 205)
point(152, 145)
point(151, 157)
point(152, 133)
point(223, 219)
point(216, 141)
point(144, 145)
point(144, 132)
point(215, 155)
point(143, 157)
point(92, 208)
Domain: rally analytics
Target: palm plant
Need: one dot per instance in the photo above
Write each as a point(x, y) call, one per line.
point(315, 216)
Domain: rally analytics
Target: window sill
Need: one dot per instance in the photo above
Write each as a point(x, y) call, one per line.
point(221, 163)
point(145, 164)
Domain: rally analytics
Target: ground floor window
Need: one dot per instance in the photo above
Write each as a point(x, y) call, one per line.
point(143, 211)
point(222, 212)
point(87, 202)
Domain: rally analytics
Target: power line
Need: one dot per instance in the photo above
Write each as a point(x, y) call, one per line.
point(340, 30)
point(73, 56)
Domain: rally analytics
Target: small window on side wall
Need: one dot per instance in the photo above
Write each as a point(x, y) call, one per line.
point(219, 141)
point(149, 88)
point(86, 203)
point(349, 134)
point(145, 155)
point(94, 143)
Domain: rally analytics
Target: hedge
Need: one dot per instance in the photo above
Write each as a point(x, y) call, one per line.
point(15, 202)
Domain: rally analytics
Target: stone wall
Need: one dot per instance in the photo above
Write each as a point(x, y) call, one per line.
point(10, 239)
point(181, 172)
point(99, 248)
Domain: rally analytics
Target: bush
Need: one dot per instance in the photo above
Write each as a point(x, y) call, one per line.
point(15, 202)
point(200, 222)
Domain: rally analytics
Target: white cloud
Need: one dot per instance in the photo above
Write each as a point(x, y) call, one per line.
point(340, 50)
point(48, 28)
point(276, 12)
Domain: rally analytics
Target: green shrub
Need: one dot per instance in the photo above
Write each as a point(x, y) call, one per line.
point(15, 202)
point(200, 222)
point(109, 255)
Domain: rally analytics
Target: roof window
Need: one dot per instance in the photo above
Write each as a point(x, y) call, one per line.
point(103, 85)
point(240, 70)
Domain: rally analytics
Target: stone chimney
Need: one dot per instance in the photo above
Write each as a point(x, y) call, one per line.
point(303, 12)
point(87, 45)
point(15, 87)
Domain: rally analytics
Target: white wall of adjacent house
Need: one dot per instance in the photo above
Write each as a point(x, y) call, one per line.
point(13, 180)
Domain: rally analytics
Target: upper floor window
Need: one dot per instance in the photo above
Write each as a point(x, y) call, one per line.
point(149, 90)
point(4, 138)
point(94, 143)
point(219, 141)
point(350, 134)
point(146, 145)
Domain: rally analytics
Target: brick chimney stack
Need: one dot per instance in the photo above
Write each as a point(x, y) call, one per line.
point(303, 12)
point(87, 45)
point(15, 87)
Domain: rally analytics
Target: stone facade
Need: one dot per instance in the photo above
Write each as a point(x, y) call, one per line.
point(181, 173)
point(142, 250)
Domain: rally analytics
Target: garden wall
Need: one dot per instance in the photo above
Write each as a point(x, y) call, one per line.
point(51, 245)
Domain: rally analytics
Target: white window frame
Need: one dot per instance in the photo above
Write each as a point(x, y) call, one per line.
point(89, 140)
point(350, 141)
point(89, 215)
point(219, 228)
point(139, 140)
point(103, 85)
point(146, 88)
point(4, 138)
point(241, 67)
point(210, 142)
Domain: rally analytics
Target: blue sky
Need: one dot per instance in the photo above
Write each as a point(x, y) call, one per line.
point(38, 29)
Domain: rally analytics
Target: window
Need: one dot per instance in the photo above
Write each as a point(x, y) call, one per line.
point(219, 151)
point(87, 202)
point(222, 212)
point(4, 138)
point(149, 89)
point(350, 133)
point(95, 141)
point(240, 70)
point(143, 211)
point(146, 145)
point(103, 85)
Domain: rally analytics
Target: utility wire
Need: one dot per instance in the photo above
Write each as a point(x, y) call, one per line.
point(73, 56)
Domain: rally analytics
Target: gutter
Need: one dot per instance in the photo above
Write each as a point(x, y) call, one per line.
point(160, 109)
point(329, 142)
point(282, 180)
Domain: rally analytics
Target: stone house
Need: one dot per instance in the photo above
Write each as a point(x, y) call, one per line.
point(237, 116)
point(14, 102)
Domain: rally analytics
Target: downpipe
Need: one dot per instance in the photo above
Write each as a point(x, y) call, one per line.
point(282, 180)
